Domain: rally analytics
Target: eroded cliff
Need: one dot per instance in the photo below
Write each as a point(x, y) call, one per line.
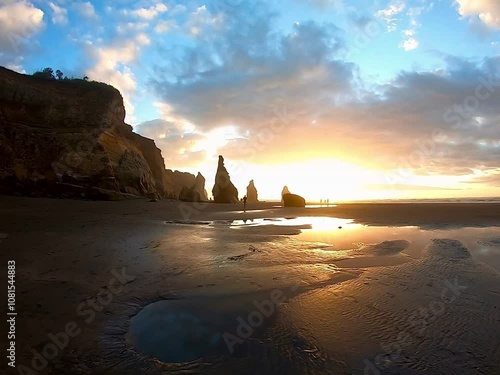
point(69, 139)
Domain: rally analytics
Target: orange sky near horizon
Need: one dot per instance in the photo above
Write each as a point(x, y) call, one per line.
point(338, 181)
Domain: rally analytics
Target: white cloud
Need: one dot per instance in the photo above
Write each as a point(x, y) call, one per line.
point(143, 39)
point(165, 26)
point(113, 67)
point(86, 9)
point(178, 9)
point(389, 14)
point(16, 67)
point(201, 18)
point(19, 22)
point(130, 28)
point(410, 44)
point(487, 10)
point(151, 12)
point(59, 14)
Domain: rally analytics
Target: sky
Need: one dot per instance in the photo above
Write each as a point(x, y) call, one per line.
point(337, 99)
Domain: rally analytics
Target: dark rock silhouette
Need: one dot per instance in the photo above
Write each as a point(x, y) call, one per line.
point(69, 139)
point(293, 200)
point(199, 186)
point(252, 195)
point(196, 192)
point(283, 192)
point(224, 191)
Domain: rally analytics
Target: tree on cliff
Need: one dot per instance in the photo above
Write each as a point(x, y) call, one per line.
point(47, 73)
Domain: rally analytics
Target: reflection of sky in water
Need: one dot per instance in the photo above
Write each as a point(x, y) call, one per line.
point(344, 234)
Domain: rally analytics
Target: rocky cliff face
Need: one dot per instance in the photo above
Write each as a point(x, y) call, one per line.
point(69, 139)
point(180, 180)
point(252, 194)
point(188, 187)
point(224, 191)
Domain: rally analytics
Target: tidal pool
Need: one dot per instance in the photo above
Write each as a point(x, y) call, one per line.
point(177, 331)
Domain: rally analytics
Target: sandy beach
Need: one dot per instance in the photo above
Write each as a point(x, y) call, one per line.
point(178, 288)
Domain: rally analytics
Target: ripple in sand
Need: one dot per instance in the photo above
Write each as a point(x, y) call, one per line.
point(492, 241)
point(386, 247)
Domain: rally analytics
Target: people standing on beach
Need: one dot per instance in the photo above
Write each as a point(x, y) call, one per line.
point(245, 203)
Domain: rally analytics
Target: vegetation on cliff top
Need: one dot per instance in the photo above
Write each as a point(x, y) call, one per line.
point(49, 74)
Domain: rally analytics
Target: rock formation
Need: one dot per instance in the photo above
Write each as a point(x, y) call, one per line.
point(252, 195)
point(293, 200)
point(199, 186)
point(180, 180)
point(196, 192)
point(224, 191)
point(285, 191)
point(69, 139)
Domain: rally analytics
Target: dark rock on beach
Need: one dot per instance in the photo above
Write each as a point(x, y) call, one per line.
point(293, 200)
point(252, 195)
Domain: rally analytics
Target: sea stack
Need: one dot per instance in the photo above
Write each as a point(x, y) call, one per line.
point(283, 192)
point(224, 191)
point(252, 195)
point(291, 200)
point(199, 186)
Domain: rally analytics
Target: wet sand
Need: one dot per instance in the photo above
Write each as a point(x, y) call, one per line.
point(335, 318)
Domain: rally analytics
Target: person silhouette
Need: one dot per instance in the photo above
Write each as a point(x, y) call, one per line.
point(245, 203)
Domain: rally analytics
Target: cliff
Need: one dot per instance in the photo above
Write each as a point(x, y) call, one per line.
point(69, 139)
point(187, 186)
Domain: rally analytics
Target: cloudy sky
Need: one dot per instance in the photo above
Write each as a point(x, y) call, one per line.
point(338, 99)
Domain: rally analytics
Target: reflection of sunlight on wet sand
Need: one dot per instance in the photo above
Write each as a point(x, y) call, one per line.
point(321, 205)
point(342, 238)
